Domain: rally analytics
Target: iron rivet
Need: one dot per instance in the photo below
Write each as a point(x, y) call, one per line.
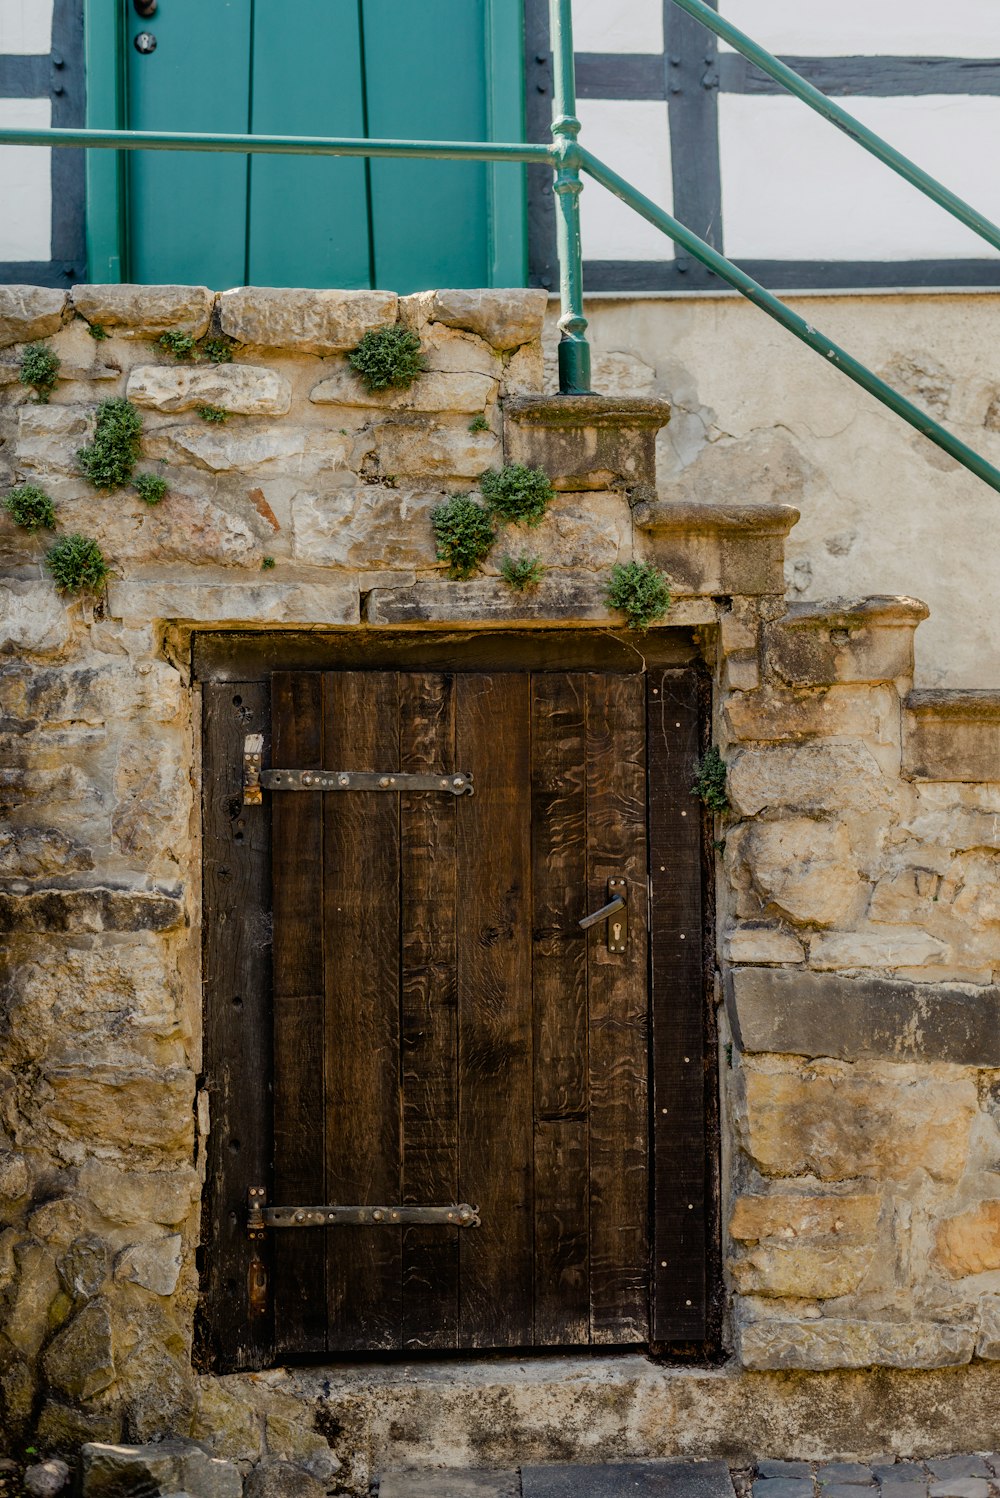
point(663, 1263)
point(376, 1216)
point(687, 1302)
point(682, 936)
point(444, 785)
point(677, 725)
point(687, 1058)
point(330, 1217)
point(683, 813)
point(663, 868)
point(300, 1217)
point(663, 1110)
point(690, 1206)
point(458, 780)
point(344, 779)
point(656, 691)
point(384, 780)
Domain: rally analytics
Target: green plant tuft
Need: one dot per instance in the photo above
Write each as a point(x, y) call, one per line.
point(97, 331)
point(150, 487)
point(39, 368)
point(517, 494)
point(710, 781)
point(77, 565)
point(388, 357)
point(219, 350)
point(266, 564)
point(521, 572)
point(464, 532)
point(30, 507)
point(213, 413)
point(108, 461)
point(640, 591)
point(479, 424)
point(181, 345)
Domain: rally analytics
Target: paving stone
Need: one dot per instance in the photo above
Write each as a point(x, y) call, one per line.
point(960, 1487)
point(845, 1489)
point(783, 1469)
point(971, 1464)
point(911, 1488)
point(785, 1487)
point(460, 1482)
point(651, 1479)
point(890, 1472)
point(851, 1473)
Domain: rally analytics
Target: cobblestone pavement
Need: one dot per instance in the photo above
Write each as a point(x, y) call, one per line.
point(972, 1475)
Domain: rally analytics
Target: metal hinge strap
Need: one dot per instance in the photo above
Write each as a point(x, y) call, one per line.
point(256, 779)
point(260, 1217)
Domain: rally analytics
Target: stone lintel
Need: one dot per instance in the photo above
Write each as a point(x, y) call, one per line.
point(586, 441)
point(718, 550)
point(802, 1013)
point(333, 600)
point(558, 599)
point(952, 735)
point(845, 640)
point(89, 910)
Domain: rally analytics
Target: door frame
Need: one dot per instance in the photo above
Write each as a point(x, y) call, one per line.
point(105, 41)
point(232, 670)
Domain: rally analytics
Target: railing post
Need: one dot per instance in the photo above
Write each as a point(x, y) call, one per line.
point(574, 350)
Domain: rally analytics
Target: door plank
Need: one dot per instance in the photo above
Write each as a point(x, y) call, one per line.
point(361, 929)
point(559, 986)
point(679, 1059)
point(495, 1031)
point(237, 1043)
point(619, 1126)
point(429, 1011)
point(297, 835)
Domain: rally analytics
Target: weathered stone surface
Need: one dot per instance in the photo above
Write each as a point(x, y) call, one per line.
point(152, 801)
point(246, 448)
point(34, 620)
point(961, 1487)
point(503, 318)
point(759, 943)
point(425, 449)
point(130, 1196)
point(586, 441)
point(901, 947)
point(274, 1478)
point(862, 640)
point(813, 1247)
point(135, 1108)
point(242, 389)
point(155, 1266)
point(53, 910)
point(718, 549)
point(844, 1343)
point(854, 1019)
point(30, 312)
point(431, 391)
point(83, 1267)
point(969, 1243)
point(79, 1362)
point(812, 778)
point(770, 1468)
point(34, 852)
point(46, 1479)
point(967, 1464)
point(558, 596)
point(988, 1341)
point(857, 712)
point(461, 1482)
point(14, 1178)
point(524, 371)
point(785, 1487)
point(90, 694)
point(64, 1427)
point(757, 469)
point(146, 311)
point(310, 322)
point(366, 527)
point(952, 735)
point(333, 601)
point(787, 1217)
point(49, 439)
point(650, 1478)
point(587, 532)
point(808, 1270)
point(850, 1474)
point(161, 1466)
point(803, 867)
point(837, 1122)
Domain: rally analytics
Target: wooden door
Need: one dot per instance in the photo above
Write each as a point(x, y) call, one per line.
point(438, 1028)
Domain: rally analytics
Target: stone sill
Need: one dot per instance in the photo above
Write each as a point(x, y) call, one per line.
point(713, 519)
point(952, 735)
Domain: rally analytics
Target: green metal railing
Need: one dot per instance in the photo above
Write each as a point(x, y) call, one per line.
point(569, 159)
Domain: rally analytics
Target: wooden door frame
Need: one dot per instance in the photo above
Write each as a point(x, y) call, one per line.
point(233, 669)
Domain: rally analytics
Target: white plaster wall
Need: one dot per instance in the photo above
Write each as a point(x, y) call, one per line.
point(25, 26)
point(25, 185)
point(853, 28)
point(633, 137)
point(796, 188)
point(618, 25)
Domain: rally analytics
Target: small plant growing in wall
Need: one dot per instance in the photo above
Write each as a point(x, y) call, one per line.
point(77, 565)
point(150, 487)
point(109, 461)
point(39, 368)
point(479, 424)
point(213, 413)
point(640, 591)
point(97, 331)
point(218, 350)
point(710, 781)
point(266, 564)
point(521, 573)
point(31, 508)
point(517, 494)
point(181, 345)
point(464, 532)
point(388, 358)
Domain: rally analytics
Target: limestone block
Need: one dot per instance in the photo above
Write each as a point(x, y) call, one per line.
point(145, 311)
point(83, 1268)
point(811, 778)
point(35, 852)
point(136, 1108)
point(306, 321)
point(65, 787)
point(65, 1427)
point(79, 1362)
point(737, 631)
point(952, 735)
point(161, 1466)
point(422, 449)
point(242, 389)
point(905, 895)
point(152, 789)
point(857, 712)
point(136, 1196)
point(333, 601)
point(586, 441)
point(34, 620)
point(727, 549)
point(289, 1439)
point(523, 371)
point(247, 448)
point(954, 827)
point(741, 673)
point(811, 1271)
point(156, 1266)
point(867, 639)
point(450, 351)
point(487, 600)
point(855, 1019)
point(30, 312)
point(503, 318)
point(988, 1342)
point(78, 910)
point(839, 1342)
point(28, 1319)
point(274, 1478)
point(90, 694)
point(755, 942)
point(14, 1179)
point(432, 391)
point(366, 527)
point(805, 868)
point(902, 947)
point(836, 1123)
point(969, 1243)
point(586, 532)
point(225, 1419)
point(788, 1218)
point(49, 438)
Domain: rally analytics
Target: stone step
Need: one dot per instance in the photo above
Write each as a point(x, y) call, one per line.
point(640, 1479)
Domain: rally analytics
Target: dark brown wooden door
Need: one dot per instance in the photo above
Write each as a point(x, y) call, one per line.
point(443, 1029)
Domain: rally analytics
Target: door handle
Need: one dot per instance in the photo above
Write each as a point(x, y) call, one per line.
point(617, 906)
point(145, 8)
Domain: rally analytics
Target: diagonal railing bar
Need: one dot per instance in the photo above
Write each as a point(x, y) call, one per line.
point(817, 100)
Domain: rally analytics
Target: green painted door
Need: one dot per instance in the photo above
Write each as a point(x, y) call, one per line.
point(446, 69)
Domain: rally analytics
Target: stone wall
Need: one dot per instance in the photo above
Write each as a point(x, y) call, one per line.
point(858, 931)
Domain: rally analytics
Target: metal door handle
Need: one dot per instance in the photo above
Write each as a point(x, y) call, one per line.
point(146, 8)
point(617, 902)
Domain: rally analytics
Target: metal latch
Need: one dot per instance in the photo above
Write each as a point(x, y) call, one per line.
point(260, 1216)
point(256, 779)
point(615, 912)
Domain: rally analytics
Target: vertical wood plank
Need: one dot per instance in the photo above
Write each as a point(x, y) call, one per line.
point(495, 1031)
point(429, 1011)
point(297, 821)
point(237, 1040)
point(619, 1127)
point(679, 1060)
point(559, 985)
point(361, 929)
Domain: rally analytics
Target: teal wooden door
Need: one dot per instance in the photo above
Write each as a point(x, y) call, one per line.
point(446, 69)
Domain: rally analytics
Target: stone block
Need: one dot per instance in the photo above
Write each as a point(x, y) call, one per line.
point(83, 1267)
point(366, 527)
point(34, 620)
point(241, 389)
point(30, 312)
point(591, 532)
point(837, 1123)
point(768, 1468)
point(862, 640)
point(304, 321)
point(126, 1107)
point(450, 351)
point(968, 1464)
point(503, 318)
point(741, 673)
point(952, 735)
point(156, 1265)
point(38, 852)
point(853, 1019)
point(804, 1270)
point(785, 1487)
point(432, 450)
point(648, 1479)
point(830, 778)
point(848, 1474)
point(186, 529)
point(856, 712)
point(146, 311)
point(902, 947)
point(988, 1341)
point(718, 549)
point(333, 601)
point(840, 1342)
point(960, 1487)
point(65, 1427)
point(586, 441)
point(111, 1471)
point(89, 694)
point(136, 1196)
point(488, 600)
point(247, 448)
point(274, 1478)
point(790, 1218)
point(755, 943)
point(969, 1243)
point(79, 1362)
point(523, 372)
point(89, 910)
point(49, 439)
point(803, 867)
point(430, 392)
point(46, 1479)
point(459, 1482)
